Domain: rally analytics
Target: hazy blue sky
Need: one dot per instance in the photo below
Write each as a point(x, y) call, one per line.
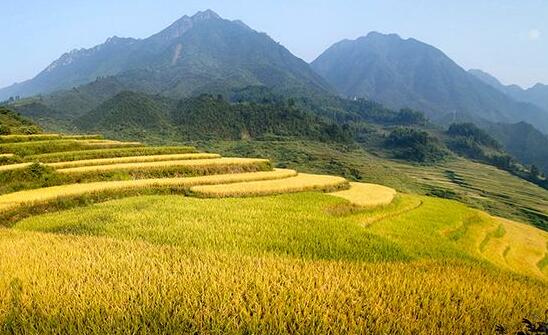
point(508, 38)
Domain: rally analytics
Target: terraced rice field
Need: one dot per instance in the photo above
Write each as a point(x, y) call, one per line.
point(244, 248)
point(46, 137)
point(186, 163)
point(480, 186)
point(44, 195)
point(300, 183)
point(38, 147)
point(131, 159)
point(68, 156)
point(367, 195)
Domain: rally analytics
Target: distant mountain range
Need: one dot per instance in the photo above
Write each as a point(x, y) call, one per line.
point(405, 72)
point(197, 54)
point(537, 95)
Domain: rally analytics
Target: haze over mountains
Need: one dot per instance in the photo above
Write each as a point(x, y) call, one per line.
point(537, 95)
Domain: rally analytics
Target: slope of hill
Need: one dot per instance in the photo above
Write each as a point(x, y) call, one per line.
point(401, 73)
point(524, 142)
point(194, 55)
point(537, 95)
point(13, 123)
point(133, 115)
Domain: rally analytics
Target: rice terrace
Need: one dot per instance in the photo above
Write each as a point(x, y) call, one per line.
point(203, 179)
point(158, 240)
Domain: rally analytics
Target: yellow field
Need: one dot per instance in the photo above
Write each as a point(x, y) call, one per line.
point(130, 159)
point(164, 164)
point(6, 155)
point(300, 183)
point(367, 195)
point(516, 246)
point(11, 167)
point(43, 137)
point(24, 198)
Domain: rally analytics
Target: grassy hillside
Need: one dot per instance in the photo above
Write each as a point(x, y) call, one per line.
point(12, 123)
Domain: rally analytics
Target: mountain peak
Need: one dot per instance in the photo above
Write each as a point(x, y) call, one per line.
point(376, 34)
point(185, 23)
point(207, 14)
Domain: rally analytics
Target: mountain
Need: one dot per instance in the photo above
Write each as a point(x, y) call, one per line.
point(197, 54)
point(537, 95)
point(399, 73)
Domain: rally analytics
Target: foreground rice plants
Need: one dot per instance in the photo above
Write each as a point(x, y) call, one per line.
point(300, 183)
point(170, 264)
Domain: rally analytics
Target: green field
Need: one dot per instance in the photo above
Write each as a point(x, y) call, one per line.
point(259, 265)
point(136, 243)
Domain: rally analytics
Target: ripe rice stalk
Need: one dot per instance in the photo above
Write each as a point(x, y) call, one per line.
point(367, 195)
point(300, 183)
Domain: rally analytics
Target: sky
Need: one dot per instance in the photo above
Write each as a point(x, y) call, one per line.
point(507, 38)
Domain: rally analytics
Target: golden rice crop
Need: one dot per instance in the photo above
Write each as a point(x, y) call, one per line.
point(6, 155)
point(367, 195)
point(131, 159)
point(109, 143)
point(272, 265)
point(40, 147)
point(198, 163)
point(10, 167)
point(66, 156)
point(508, 244)
point(13, 200)
point(300, 183)
point(43, 137)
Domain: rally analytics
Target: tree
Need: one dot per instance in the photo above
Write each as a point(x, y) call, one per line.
point(534, 172)
point(4, 130)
